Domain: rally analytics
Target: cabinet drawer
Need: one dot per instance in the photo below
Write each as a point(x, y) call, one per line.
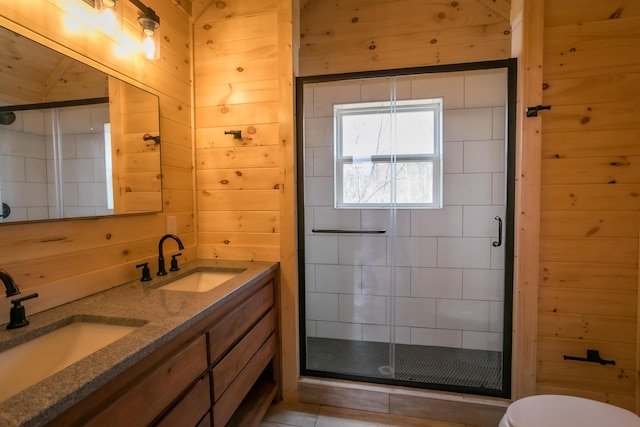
point(234, 326)
point(231, 365)
point(141, 404)
point(224, 408)
point(191, 408)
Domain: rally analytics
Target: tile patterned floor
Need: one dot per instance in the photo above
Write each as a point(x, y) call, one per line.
point(285, 414)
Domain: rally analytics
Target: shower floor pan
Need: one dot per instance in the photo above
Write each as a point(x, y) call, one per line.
point(415, 363)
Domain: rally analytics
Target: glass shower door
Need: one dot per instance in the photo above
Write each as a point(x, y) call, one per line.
point(405, 229)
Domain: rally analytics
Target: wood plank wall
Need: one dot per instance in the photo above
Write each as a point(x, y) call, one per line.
point(237, 88)
point(589, 203)
point(358, 35)
point(65, 260)
point(243, 80)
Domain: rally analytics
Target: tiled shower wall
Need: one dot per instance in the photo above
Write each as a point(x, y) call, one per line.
point(449, 280)
point(26, 157)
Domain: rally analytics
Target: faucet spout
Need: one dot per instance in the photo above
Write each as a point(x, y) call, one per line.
point(9, 284)
point(161, 269)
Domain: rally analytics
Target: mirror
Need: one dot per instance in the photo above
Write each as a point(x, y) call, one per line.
point(74, 141)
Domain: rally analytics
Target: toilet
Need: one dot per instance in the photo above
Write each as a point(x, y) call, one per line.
point(548, 410)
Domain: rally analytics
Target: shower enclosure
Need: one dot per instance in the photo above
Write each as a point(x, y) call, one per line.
point(55, 159)
point(405, 188)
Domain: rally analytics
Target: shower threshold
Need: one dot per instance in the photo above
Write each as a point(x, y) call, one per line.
point(414, 363)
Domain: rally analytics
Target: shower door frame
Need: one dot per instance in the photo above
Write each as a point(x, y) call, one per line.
point(510, 135)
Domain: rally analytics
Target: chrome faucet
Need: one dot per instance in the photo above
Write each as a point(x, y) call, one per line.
point(9, 284)
point(161, 269)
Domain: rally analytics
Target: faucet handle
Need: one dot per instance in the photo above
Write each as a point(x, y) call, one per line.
point(174, 262)
point(17, 315)
point(146, 272)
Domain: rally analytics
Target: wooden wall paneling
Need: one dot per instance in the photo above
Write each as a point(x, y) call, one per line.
point(587, 327)
point(209, 10)
point(248, 221)
point(622, 142)
point(528, 23)
point(258, 135)
point(288, 45)
point(588, 276)
point(591, 170)
point(573, 12)
point(589, 246)
point(571, 223)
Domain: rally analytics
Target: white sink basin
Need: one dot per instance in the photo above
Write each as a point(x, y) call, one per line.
point(201, 281)
point(29, 363)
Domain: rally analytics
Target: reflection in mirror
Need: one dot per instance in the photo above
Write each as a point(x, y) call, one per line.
point(74, 142)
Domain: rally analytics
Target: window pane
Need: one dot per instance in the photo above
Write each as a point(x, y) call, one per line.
point(365, 135)
point(414, 182)
point(366, 183)
point(369, 183)
point(414, 130)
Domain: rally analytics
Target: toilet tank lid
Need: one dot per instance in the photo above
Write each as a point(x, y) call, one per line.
point(557, 410)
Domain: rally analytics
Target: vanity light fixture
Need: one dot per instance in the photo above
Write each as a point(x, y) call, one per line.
point(111, 17)
point(150, 23)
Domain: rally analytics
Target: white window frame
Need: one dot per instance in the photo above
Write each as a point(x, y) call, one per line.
point(433, 104)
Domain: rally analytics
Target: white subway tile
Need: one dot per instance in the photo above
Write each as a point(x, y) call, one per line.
point(308, 101)
point(99, 171)
point(363, 309)
point(362, 250)
point(484, 156)
point(496, 316)
point(308, 161)
point(321, 306)
point(318, 132)
point(308, 219)
point(36, 170)
point(436, 282)
point(483, 284)
point(416, 251)
point(79, 211)
point(499, 123)
point(99, 116)
point(33, 122)
point(90, 145)
point(310, 277)
point(418, 312)
point(341, 331)
point(338, 279)
point(436, 337)
point(498, 189)
point(383, 219)
point(479, 221)
point(321, 249)
point(318, 191)
point(311, 328)
point(487, 89)
point(497, 257)
point(37, 213)
point(453, 158)
point(467, 189)
point(463, 314)
point(469, 124)
point(77, 170)
point(380, 333)
point(325, 97)
point(437, 222)
point(326, 217)
point(92, 194)
point(377, 280)
point(380, 90)
point(75, 120)
point(464, 252)
point(13, 168)
point(475, 340)
point(451, 89)
point(323, 161)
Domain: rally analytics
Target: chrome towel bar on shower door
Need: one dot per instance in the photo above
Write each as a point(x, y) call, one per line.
point(348, 231)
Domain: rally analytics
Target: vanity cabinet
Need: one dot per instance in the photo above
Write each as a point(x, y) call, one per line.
point(221, 371)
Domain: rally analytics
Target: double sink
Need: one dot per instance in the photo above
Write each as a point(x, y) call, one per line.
point(57, 346)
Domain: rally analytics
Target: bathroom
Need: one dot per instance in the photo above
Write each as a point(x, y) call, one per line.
point(576, 244)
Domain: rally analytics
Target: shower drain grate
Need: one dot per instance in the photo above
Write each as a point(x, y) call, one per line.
point(414, 363)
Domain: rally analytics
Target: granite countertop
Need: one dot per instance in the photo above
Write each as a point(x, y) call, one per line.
point(160, 314)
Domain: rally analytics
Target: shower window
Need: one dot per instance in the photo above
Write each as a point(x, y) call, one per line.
point(388, 152)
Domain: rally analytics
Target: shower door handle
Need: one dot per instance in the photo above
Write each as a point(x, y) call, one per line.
point(499, 242)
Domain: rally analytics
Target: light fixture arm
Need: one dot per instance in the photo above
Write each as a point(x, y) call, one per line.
point(146, 11)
